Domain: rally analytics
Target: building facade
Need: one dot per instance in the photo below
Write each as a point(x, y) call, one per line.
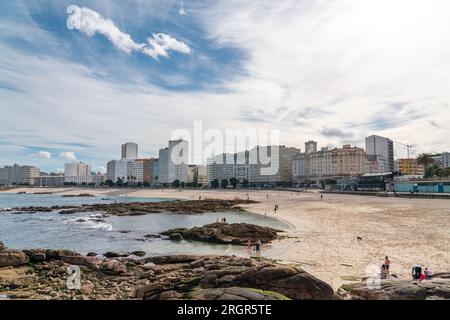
point(51, 181)
point(117, 170)
point(173, 162)
point(130, 151)
point(409, 167)
point(77, 173)
point(442, 160)
point(382, 147)
point(18, 175)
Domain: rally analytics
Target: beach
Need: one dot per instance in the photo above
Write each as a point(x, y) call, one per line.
point(323, 236)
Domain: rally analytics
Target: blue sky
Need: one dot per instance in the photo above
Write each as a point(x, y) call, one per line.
point(333, 71)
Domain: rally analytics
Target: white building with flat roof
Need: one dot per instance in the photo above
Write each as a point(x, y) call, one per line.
point(18, 175)
point(173, 162)
point(77, 173)
point(117, 169)
point(130, 151)
point(382, 147)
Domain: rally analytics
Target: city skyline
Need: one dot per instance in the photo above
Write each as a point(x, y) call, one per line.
point(79, 78)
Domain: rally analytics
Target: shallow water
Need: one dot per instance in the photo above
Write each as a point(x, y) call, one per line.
point(86, 232)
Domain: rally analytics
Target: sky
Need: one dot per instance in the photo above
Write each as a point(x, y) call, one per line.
point(79, 78)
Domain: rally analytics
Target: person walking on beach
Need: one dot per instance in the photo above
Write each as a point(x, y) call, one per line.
point(249, 246)
point(258, 247)
point(321, 197)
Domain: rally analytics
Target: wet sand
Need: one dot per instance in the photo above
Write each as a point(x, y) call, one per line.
point(409, 231)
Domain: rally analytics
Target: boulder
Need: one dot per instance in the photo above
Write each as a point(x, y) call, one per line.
point(89, 262)
point(12, 258)
point(292, 282)
point(36, 255)
point(167, 295)
point(391, 289)
point(113, 267)
point(223, 233)
point(176, 236)
point(59, 253)
point(235, 293)
point(116, 255)
point(174, 259)
point(138, 253)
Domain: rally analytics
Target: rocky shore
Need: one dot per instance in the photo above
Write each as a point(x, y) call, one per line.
point(224, 233)
point(142, 208)
point(437, 288)
point(43, 274)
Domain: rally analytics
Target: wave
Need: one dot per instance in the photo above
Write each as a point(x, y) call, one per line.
point(91, 222)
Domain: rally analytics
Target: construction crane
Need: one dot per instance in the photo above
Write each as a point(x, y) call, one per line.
point(408, 146)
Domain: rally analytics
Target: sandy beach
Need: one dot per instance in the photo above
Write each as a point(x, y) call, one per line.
point(324, 232)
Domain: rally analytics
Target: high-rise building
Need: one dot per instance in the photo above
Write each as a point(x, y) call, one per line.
point(173, 162)
point(77, 173)
point(382, 147)
point(155, 170)
point(148, 166)
point(271, 165)
point(18, 175)
point(135, 171)
point(129, 151)
point(117, 170)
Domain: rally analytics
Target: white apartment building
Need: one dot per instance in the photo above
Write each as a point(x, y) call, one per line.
point(117, 169)
point(382, 147)
point(77, 173)
point(130, 151)
point(135, 171)
point(24, 175)
point(173, 162)
point(442, 160)
point(202, 176)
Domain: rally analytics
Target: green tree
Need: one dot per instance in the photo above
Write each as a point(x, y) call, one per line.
point(176, 184)
point(234, 182)
point(215, 183)
point(183, 184)
point(109, 183)
point(224, 183)
point(425, 159)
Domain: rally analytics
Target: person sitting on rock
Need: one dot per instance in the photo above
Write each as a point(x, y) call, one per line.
point(384, 272)
point(416, 271)
point(428, 274)
point(422, 276)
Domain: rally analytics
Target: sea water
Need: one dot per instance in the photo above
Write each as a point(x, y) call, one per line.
point(90, 232)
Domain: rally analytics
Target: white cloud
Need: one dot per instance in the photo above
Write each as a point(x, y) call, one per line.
point(161, 43)
point(101, 169)
point(91, 22)
point(68, 155)
point(44, 155)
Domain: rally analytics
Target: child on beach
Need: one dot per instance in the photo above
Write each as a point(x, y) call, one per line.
point(249, 245)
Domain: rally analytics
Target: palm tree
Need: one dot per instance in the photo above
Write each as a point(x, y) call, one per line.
point(425, 159)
